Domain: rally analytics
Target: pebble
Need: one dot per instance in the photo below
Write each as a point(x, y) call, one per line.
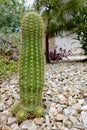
point(1, 125)
point(39, 121)
point(1, 107)
point(64, 96)
point(47, 119)
point(69, 111)
point(15, 126)
point(77, 107)
point(11, 120)
point(59, 117)
point(73, 119)
point(84, 108)
point(84, 119)
point(28, 125)
point(6, 128)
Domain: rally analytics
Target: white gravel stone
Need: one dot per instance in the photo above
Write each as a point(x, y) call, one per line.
point(47, 119)
point(64, 95)
point(11, 120)
point(59, 117)
point(84, 119)
point(73, 119)
point(39, 121)
point(84, 108)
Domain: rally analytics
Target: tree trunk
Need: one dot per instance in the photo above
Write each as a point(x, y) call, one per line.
point(47, 48)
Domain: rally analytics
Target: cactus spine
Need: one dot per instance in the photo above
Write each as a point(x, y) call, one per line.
point(31, 79)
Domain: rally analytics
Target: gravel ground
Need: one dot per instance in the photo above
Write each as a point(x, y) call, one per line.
point(64, 95)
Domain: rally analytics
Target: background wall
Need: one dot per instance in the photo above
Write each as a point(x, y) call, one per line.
point(67, 42)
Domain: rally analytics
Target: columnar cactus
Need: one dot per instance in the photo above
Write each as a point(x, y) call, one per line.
point(31, 77)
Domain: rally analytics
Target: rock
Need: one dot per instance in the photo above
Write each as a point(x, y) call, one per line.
point(1, 125)
point(59, 117)
point(79, 125)
point(84, 108)
point(6, 128)
point(60, 90)
point(64, 128)
point(12, 86)
point(73, 119)
point(25, 125)
point(85, 100)
point(28, 125)
point(9, 102)
point(33, 127)
point(64, 96)
point(39, 121)
point(3, 118)
point(77, 107)
point(47, 119)
point(11, 120)
point(13, 82)
point(16, 97)
point(52, 112)
point(63, 100)
point(76, 129)
point(81, 101)
point(14, 126)
point(58, 124)
point(67, 123)
point(6, 112)
point(60, 109)
point(49, 92)
point(1, 107)
point(72, 101)
point(84, 119)
point(69, 111)
point(49, 127)
point(43, 126)
point(54, 127)
point(47, 103)
point(47, 111)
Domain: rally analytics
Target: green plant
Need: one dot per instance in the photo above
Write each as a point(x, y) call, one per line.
point(31, 79)
point(39, 111)
point(21, 116)
point(15, 108)
point(80, 22)
point(7, 67)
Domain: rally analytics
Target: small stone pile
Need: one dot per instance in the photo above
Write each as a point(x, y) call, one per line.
point(64, 97)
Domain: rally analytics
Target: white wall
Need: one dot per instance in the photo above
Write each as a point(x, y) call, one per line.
point(67, 42)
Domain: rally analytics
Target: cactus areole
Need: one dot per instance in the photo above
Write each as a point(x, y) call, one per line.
point(31, 77)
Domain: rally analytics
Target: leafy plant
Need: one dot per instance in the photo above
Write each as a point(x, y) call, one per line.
point(54, 56)
point(9, 54)
point(80, 22)
point(7, 67)
point(10, 14)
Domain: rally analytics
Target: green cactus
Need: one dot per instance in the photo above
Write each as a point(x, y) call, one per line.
point(21, 116)
point(15, 108)
point(39, 111)
point(31, 79)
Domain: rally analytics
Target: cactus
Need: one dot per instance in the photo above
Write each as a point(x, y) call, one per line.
point(15, 108)
point(31, 77)
point(39, 112)
point(21, 116)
